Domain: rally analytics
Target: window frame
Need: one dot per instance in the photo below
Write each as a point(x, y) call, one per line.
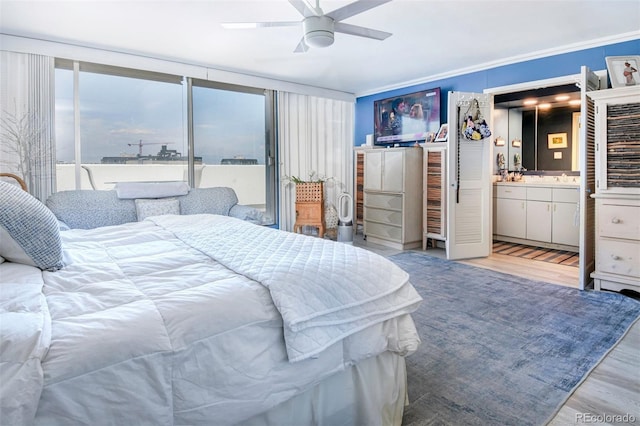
point(187, 83)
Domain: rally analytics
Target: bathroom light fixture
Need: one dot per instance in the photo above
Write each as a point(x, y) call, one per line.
point(561, 98)
point(544, 106)
point(575, 102)
point(530, 101)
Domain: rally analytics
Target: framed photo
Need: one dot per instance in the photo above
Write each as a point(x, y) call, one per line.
point(623, 70)
point(443, 133)
point(557, 140)
point(430, 137)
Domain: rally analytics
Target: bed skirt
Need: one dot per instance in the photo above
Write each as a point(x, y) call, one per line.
point(372, 392)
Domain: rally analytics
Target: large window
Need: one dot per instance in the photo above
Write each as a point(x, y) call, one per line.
point(115, 125)
point(230, 135)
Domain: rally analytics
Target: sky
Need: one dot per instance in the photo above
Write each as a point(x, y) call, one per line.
point(119, 113)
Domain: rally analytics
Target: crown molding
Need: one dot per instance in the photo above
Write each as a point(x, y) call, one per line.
point(574, 47)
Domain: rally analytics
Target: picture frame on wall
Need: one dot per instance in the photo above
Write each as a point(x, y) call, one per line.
point(443, 133)
point(623, 70)
point(557, 140)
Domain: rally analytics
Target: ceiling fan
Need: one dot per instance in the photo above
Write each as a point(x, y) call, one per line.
point(319, 27)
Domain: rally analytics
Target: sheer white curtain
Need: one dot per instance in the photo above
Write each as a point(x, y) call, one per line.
point(27, 100)
point(315, 137)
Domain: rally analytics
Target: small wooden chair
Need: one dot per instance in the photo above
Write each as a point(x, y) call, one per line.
point(17, 178)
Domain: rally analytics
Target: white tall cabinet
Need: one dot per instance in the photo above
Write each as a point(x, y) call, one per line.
point(393, 197)
point(617, 132)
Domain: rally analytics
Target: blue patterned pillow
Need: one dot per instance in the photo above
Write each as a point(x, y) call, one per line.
point(29, 232)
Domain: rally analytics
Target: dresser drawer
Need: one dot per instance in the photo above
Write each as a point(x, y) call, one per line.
point(512, 191)
point(387, 232)
point(619, 221)
point(620, 257)
point(383, 201)
point(391, 217)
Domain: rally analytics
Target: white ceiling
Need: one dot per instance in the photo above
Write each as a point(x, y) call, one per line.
point(431, 38)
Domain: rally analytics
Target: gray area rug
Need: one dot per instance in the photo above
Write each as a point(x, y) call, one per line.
point(499, 349)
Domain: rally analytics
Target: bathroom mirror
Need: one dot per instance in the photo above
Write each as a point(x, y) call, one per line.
point(528, 120)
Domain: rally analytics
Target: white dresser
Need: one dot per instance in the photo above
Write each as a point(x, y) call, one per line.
point(617, 133)
point(393, 197)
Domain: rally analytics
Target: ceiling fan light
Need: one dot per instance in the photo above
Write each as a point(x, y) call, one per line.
point(318, 31)
point(319, 38)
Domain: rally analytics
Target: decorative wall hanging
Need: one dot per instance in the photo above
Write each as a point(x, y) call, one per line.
point(556, 140)
point(474, 126)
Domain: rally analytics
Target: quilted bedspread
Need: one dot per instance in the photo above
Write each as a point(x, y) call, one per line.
point(182, 319)
point(323, 290)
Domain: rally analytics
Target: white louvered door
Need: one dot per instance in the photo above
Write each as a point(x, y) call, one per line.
point(469, 198)
point(588, 81)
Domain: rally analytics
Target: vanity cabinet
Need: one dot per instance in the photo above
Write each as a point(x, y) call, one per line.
point(542, 216)
point(539, 214)
point(565, 222)
point(617, 133)
point(511, 212)
point(393, 197)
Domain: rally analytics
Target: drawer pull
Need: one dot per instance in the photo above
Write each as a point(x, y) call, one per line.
point(615, 220)
point(615, 257)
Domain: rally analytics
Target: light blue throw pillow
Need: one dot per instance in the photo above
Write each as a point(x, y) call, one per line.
point(29, 232)
point(146, 208)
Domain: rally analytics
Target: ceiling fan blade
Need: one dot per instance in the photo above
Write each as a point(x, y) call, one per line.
point(302, 7)
point(354, 8)
point(245, 25)
point(341, 27)
point(301, 47)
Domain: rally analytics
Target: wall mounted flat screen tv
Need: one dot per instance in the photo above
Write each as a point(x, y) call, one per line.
point(414, 117)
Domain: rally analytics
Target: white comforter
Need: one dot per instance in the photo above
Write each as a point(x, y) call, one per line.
point(179, 320)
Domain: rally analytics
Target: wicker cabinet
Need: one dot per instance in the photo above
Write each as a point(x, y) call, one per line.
point(310, 206)
point(434, 221)
point(617, 124)
point(358, 188)
point(393, 197)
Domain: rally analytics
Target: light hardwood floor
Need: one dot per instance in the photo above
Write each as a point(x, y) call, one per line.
point(526, 268)
point(612, 388)
point(610, 394)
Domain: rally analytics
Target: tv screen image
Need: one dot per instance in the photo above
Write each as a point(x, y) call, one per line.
point(414, 117)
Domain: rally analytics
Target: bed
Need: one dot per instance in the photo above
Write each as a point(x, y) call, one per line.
point(196, 319)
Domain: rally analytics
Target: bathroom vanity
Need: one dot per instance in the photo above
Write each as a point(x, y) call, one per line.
point(542, 213)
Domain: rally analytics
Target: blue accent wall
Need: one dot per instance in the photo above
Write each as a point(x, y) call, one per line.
point(521, 72)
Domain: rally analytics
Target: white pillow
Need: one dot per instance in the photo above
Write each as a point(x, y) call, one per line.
point(29, 231)
point(146, 208)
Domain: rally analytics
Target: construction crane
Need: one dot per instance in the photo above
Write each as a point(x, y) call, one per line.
point(140, 144)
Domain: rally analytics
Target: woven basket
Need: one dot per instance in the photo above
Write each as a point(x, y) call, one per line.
point(309, 192)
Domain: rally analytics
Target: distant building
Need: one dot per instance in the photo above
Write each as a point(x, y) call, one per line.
point(164, 156)
point(238, 161)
